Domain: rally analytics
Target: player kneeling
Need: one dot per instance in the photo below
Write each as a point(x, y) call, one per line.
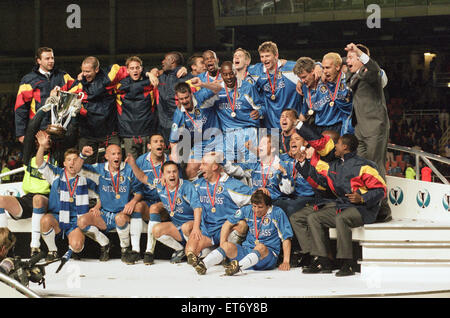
point(269, 228)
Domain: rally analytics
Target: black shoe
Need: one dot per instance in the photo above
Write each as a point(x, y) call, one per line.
point(192, 259)
point(51, 256)
point(385, 214)
point(318, 265)
point(232, 268)
point(177, 256)
point(200, 268)
point(304, 260)
point(123, 253)
point(149, 259)
point(347, 269)
point(35, 251)
point(131, 257)
point(104, 252)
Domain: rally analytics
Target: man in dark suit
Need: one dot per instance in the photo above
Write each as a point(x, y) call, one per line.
point(370, 116)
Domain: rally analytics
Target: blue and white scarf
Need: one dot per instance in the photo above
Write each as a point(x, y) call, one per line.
point(81, 199)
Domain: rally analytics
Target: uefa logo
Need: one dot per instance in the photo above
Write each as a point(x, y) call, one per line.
point(396, 196)
point(423, 198)
point(446, 202)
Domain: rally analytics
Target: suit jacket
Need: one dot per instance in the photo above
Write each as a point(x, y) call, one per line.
point(370, 115)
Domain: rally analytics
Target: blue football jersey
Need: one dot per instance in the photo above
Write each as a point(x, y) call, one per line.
point(271, 230)
point(246, 100)
point(285, 92)
point(231, 195)
point(183, 204)
point(269, 177)
point(145, 164)
point(126, 187)
point(302, 187)
point(320, 98)
point(57, 179)
point(197, 122)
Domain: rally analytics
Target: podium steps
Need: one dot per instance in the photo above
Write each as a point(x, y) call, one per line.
point(404, 247)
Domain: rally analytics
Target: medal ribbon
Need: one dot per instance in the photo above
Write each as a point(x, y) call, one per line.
point(191, 119)
point(338, 82)
point(213, 199)
point(274, 79)
point(207, 76)
point(154, 169)
point(256, 226)
point(263, 176)
point(294, 171)
point(310, 102)
point(115, 185)
point(234, 97)
point(71, 191)
point(172, 204)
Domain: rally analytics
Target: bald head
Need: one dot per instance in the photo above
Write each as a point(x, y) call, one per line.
point(113, 155)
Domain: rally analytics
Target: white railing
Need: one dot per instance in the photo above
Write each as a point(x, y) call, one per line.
point(425, 156)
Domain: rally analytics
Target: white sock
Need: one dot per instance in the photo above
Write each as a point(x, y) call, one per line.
point(151, 242)
point(206, 251)
point(36, 230)
point(213, 258)
point(49, 239)
point(124, 235)
point(249, 260)
point(97, 236)
point(3, 219)
point(235, 238)
point(135, 232)
point(170, 242)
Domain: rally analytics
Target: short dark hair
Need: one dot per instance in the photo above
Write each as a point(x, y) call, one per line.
point(191, 61)
point(292, 111)
point(168, 163)
point(41, 50)
point(351, 141)
point(155, 134)
point(304, 64)
point(226, 63)
point(178, 58)
point(182, 87)
point(259, 197)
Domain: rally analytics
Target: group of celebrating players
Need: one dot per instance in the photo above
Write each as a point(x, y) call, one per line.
point(251, 155)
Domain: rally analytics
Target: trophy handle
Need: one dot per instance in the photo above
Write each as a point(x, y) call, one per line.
point(80, 94)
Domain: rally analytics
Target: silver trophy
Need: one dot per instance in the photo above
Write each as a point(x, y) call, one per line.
point(63, 107)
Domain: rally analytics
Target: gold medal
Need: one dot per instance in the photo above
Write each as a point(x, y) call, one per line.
point(256, 242)
point(117, 196)
point(233, 114)
point(310, 112)
point(71, 200)
point(272, 97)
point(172, 214)
point(213, 209)
point(331, 103)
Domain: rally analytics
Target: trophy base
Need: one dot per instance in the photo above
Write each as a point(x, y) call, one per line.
point(55, 130)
